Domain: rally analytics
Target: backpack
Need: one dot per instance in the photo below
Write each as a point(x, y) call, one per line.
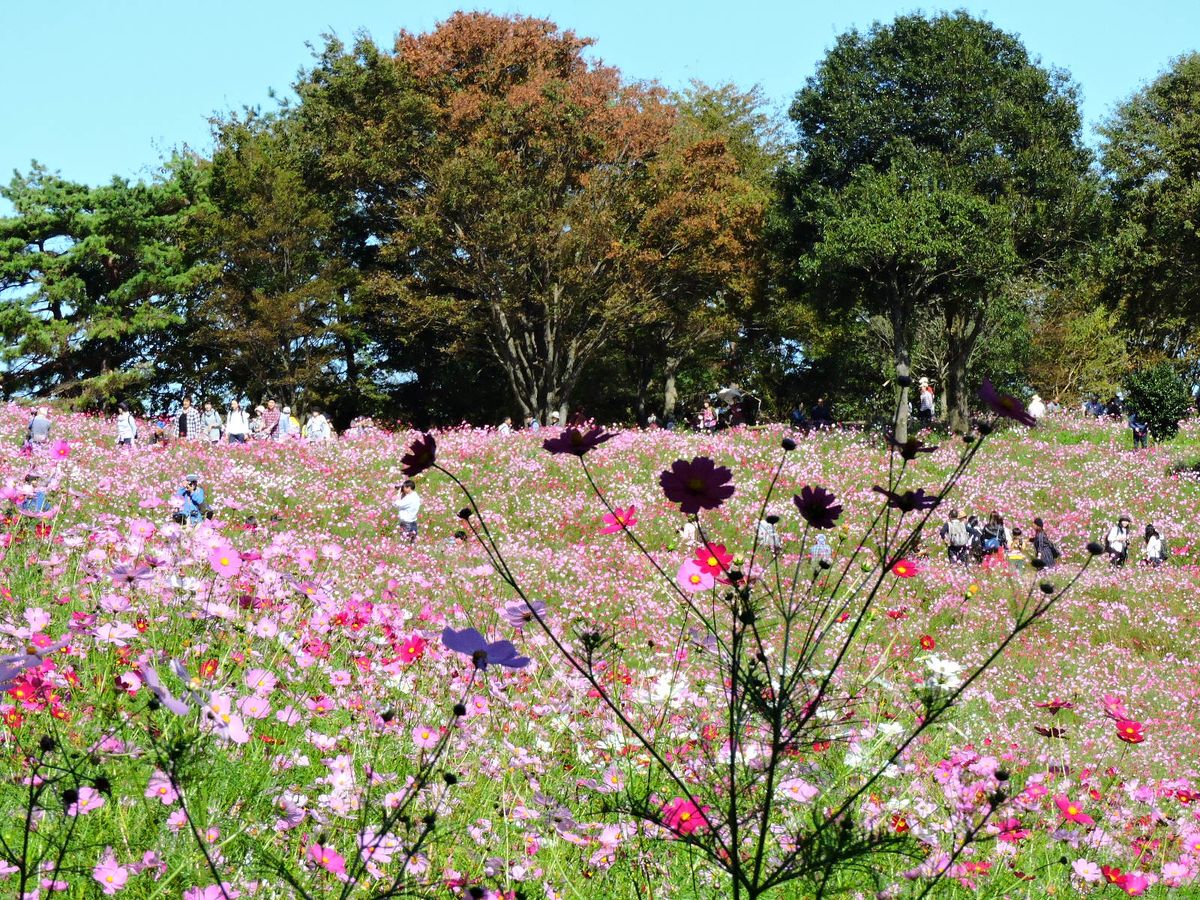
point(956, 533)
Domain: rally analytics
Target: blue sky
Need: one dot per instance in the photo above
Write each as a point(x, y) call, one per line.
point(93, 88)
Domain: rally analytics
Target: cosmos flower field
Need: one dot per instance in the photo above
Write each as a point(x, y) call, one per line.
point(240, 708)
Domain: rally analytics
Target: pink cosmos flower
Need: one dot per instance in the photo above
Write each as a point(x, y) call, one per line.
point(1135, 885)
point(1086, 870)
point(1072, 812)
point(713, 559)
point(618, 520)
point(683, 816)
point(60, 450)
point(88, 799)
point(212, 892)
point(693, 579)
point(161, 789)
point(413, 649)
point(425, 737)
point(140, 528)
point(1191, 843)
point(798, 789)
point(1114, 707)
point(109, 873)
point(696, 485)
point(328, 859)
point(225, 561)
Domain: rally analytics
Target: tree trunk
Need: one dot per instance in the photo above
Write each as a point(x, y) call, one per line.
point(962, 332)
point(900, 354)
point(670, 392)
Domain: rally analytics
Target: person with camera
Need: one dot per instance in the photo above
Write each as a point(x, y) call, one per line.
point(192, 502)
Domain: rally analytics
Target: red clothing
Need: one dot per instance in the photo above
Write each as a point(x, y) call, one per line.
point(271, 421)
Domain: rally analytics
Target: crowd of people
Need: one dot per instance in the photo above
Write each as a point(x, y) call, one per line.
point(971, 540)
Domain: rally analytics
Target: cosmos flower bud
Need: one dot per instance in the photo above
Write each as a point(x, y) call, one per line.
point(788, 444)
point(1095, 548)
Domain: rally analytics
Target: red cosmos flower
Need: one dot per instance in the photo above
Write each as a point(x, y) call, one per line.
point(1113, 875)
point(576, 442)
point(13, 717)
point(699, 484)
point(618, 520)
point(927, 643)
point(1004, 405)
point(899, 824)
point(713, 559)
point(421, 455)
point(413, 649)
point(1130, 732)
point(1072, 812)
point(683, 816)
point(208, 669)
point(904, 569)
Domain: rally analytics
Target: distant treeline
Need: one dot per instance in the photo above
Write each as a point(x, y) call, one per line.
point(484, 221)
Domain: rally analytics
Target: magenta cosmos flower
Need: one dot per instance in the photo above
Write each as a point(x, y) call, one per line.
point(818, 507)
point(683, 817)
point(60, 450)
point(1004, 405)
point(422, 454)
point(576, 442)
point(618, 520)
point(696, 485)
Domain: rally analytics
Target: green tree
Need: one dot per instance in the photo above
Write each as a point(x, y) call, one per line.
point(1150, 157)
point(278, 317)
point(92, 281)
point(938, 169)
point(1078, 345)
point(1160, 397)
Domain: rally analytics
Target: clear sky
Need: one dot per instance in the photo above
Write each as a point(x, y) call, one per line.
point(93, 88)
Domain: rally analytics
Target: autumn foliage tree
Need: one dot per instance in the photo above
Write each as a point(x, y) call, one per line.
point(493, 167)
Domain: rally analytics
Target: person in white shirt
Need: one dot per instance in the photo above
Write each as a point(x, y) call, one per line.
point(126, 426)
point(1037, 407)
point(505, 426)
point(237, 424)
point(1116, 542)
point(408, 506)
point(1153, 554)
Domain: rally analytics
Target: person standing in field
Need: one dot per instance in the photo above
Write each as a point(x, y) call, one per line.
point(1116, 541)
point(126, 426)
point(188, 422)
point(957, 538)
point(211, 424)
point(237, 425)
point(408, 506)
point(1044, 550)
point(38, 432)
point(270, 422)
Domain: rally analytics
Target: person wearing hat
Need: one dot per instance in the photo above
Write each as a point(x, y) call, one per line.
point(925, 403)
point(191, 500)
point(1116, 542)
point(554, 417)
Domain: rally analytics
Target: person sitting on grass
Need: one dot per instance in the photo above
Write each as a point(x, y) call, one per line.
point(36, 502)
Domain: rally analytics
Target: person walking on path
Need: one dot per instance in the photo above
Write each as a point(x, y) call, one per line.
point(211, 424)
point(957, 538)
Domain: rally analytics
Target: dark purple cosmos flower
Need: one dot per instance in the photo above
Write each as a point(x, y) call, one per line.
point(150, 677)
point(1004, 405)
point(421, 455)
point(575, 442)
point(909, 500)
point(699, 484)
point(518, 613)
point(910, 448)
point(473, 644)
point(818, 507)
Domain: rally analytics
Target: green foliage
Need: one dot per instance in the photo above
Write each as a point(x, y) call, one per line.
point(92, 282)
point(1150, 160)
point(938, 167)
point(1160, 397)
point(1079, 347)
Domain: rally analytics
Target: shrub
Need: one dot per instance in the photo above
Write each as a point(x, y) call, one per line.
point(1160, 397)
